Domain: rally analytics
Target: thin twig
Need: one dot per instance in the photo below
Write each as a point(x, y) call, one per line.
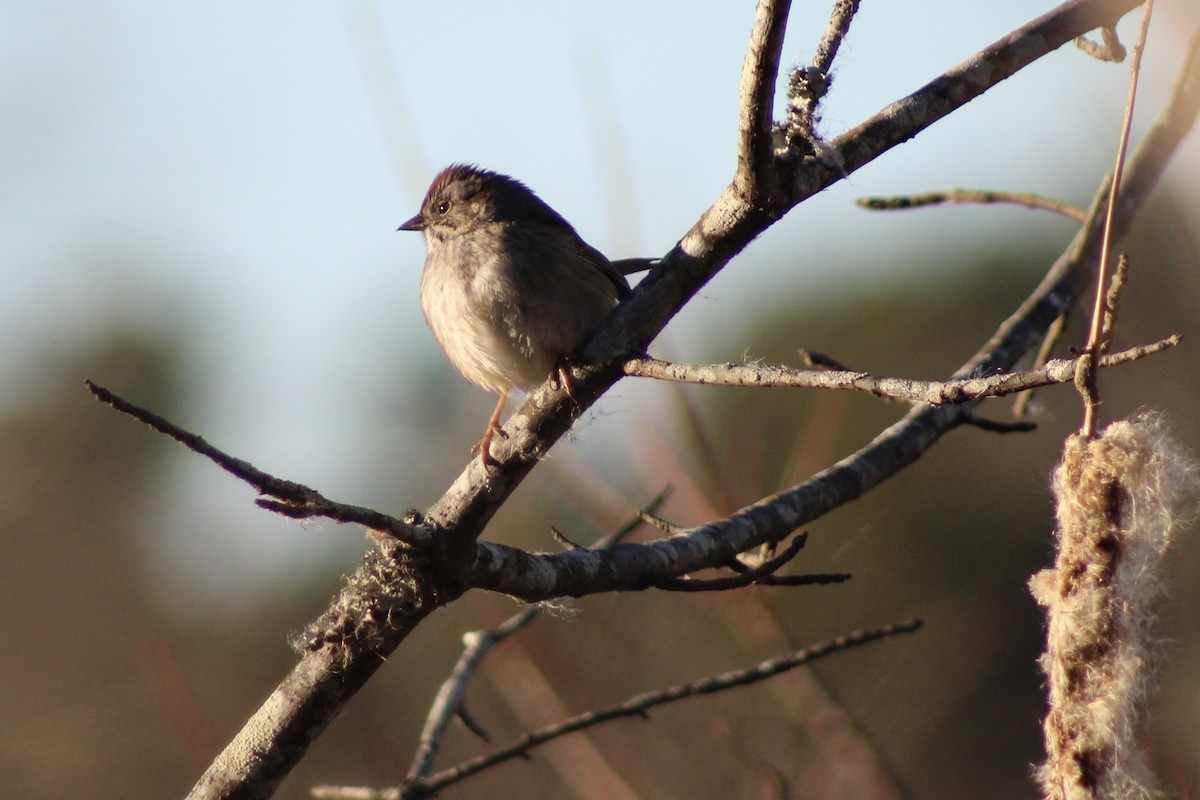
point(1026, 199)
point(295, 499)
point(815, 360)
point(1021, 406)
point(935, 393)
point(636, 707)
point(760, 70)
point(1086, 380)
point(839, 25)
point(740, 581)
point(809, 84)
point(1112, 301)
point(745, 577)
point(636, 522)
point(1108, 49)
point(812, 579)
point(470, 723)
point(660, 523)
point(561, 538)
point(448, 701)
point(994, 426)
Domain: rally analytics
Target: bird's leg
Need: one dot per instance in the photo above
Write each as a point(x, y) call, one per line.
point(492, 429)
point(561, 376)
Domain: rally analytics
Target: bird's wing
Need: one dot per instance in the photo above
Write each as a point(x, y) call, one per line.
point(604, 265)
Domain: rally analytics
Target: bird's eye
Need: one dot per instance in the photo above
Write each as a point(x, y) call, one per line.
point(443, 207)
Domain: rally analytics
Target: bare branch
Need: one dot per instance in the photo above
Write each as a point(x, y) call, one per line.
point(809, 84)
point(504, 569)
point(758, 574)
point(449, 699)
point(1053, 333)
point(1112, 301)
point(740, 581)
point(1162, 138)
point(993, 426)
point(660, 523)
point(759, 73)
point(934, 393)
point(839, 25)
point(295, 499)
point(1025, 199)
point(634, 707)
point(971, 78)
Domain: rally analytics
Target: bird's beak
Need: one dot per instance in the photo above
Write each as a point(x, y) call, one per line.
point(414, 224)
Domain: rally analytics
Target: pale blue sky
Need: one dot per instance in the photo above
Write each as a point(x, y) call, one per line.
point(241, 168)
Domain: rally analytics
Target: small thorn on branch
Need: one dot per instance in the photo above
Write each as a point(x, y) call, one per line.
point(563, 540)
point(996, 426)
point(660, 523)
point(470, 723)
point(811, 358)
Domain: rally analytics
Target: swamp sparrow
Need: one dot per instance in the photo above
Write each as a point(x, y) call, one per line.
point(509, 288)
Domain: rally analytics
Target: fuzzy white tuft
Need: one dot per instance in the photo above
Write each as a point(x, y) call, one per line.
point(1119, 497)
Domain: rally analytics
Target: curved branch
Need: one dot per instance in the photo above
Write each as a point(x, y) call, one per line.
point(760, 71)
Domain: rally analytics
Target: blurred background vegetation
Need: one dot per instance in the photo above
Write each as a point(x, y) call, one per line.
point(199, 215)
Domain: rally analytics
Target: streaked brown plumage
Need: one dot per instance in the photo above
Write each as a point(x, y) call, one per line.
point(509, 288)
